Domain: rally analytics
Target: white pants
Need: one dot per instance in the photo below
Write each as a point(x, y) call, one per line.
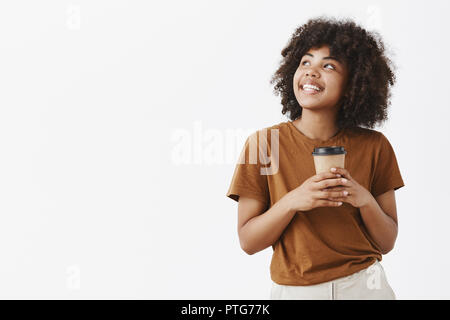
point(367, 284)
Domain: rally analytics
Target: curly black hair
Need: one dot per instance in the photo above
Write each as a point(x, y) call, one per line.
point(370, 71)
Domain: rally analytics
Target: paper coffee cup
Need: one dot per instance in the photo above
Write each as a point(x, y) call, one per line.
point(326, 158)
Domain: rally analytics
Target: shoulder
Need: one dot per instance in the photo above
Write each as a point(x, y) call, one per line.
point(282, 126)
point(267, 132)
point(365, 135)
point(279, 129)
point(266, 137)
point(369, 139)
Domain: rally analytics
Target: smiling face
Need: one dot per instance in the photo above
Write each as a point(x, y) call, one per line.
point(320, 80)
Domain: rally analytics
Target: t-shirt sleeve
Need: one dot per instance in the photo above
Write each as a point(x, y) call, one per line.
point(247, 179)
point(387, 174)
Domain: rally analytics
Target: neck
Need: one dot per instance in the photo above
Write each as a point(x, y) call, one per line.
point(317, 125)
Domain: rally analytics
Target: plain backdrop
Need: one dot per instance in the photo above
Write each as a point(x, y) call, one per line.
point(121, 123)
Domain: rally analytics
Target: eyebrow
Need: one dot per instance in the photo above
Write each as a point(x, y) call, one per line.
point(324, 58)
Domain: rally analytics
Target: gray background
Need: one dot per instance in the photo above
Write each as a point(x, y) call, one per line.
point(121, 123)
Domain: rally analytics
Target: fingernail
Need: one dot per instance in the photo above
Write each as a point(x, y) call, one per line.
point(345, 193)
point(333, 169)
point(344, 180)
point(338, 175)
point(339, 203)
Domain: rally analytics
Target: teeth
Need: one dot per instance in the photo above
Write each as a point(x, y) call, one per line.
point(310, 86)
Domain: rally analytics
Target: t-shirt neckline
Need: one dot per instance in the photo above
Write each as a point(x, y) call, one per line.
point(302, 136)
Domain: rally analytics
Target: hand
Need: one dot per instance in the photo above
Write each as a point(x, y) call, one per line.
point(357, 196)
point(312, 193)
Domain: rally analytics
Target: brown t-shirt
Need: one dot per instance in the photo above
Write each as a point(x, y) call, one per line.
point(324, 243)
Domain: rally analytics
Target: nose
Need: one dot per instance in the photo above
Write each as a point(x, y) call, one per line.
point(312, 73)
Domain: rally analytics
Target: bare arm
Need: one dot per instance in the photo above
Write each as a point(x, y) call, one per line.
point(380, 218)
point(259, 229)
point(379, 215)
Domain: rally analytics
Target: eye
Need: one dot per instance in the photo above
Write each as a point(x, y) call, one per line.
point(332, 67)
point(305, 61)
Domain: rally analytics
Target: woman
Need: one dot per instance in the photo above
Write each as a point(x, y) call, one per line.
point(328, 231)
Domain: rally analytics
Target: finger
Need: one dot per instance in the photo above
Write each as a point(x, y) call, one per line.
point(328, 203)
point(342, 171)
point(332, 183)
point(339, 199)
point(333, 194)
point(324, 175)
point(338, 188)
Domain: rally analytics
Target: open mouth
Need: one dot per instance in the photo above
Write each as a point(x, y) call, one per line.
point(310, 89)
